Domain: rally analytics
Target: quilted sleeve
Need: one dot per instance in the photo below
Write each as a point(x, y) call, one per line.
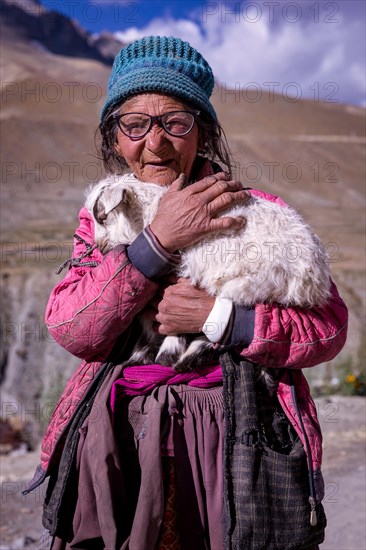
point(98, 298)
point(298, 338)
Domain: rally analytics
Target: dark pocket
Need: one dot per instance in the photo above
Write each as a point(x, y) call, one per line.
point(273, 504)
point(267, 489)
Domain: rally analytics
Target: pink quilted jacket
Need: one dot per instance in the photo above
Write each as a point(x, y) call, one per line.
point(96, 302)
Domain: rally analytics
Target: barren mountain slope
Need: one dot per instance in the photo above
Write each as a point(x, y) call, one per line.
point(50, 107)
point(310, 153)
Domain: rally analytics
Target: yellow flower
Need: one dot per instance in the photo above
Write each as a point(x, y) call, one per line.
point(351, 378)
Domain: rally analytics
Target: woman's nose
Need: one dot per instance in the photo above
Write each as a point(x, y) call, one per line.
point(156, 137)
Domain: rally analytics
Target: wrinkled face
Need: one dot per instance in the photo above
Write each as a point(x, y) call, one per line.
point(157, 157)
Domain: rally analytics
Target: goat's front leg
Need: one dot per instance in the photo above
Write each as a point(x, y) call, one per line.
point(171, 350)
point(146, 347)
point(198, 351)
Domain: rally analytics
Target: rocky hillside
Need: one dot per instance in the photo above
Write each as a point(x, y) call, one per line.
point(311, 153)
point(33, 23)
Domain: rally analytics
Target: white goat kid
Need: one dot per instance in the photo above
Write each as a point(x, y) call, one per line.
point(275, 258)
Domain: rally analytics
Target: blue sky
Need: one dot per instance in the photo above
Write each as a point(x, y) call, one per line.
point(113, 15)
point(301, 48)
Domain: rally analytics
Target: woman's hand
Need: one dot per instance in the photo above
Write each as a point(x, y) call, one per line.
point(180, 308)
point(186, 214)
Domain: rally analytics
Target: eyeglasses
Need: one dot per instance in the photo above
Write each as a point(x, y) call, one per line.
point(175, 123)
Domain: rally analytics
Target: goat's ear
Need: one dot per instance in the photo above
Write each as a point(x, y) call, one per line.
point(107, 201)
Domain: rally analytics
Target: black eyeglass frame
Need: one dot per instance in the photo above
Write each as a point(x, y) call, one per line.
point(159, 120)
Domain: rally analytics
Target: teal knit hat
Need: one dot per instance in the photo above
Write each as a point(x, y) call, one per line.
point(161, 64)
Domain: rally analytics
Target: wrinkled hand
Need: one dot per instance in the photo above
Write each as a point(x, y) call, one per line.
point(179, 308)
point(186, 214)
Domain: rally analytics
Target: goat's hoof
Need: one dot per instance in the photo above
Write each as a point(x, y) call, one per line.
point(138, 359)
point(166, 359)
point(182, 366)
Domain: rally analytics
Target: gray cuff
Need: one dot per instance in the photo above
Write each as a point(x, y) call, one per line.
point(240, 330)
point(148, 256)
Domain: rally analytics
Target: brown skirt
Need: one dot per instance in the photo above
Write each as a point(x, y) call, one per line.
point(186, 426)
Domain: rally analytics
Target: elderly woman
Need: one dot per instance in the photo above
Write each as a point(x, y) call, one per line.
point(156, 466)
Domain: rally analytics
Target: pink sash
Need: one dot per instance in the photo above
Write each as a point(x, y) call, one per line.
point(140, 380)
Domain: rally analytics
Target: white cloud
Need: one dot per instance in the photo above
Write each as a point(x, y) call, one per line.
point(321, 52)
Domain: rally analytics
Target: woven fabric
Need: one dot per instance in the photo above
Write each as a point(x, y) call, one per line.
point(45, 540)
point(169, 536)
point(269, 509)
point(161, 64)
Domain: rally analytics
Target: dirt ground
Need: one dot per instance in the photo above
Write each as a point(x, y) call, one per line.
point(343, 424)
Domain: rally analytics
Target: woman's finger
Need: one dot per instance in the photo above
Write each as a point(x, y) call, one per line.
point(228, 199)
point(227, 223)
point(185, 280)
point(179, 183)
point(207, 182)
point(219, 189)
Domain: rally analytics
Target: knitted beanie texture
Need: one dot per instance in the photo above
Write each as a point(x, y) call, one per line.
point(161, 64)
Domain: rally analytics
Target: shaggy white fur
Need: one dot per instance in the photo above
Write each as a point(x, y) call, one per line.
point(274, 258)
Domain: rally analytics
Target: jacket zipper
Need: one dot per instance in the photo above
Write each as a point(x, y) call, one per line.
point(312, 499)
